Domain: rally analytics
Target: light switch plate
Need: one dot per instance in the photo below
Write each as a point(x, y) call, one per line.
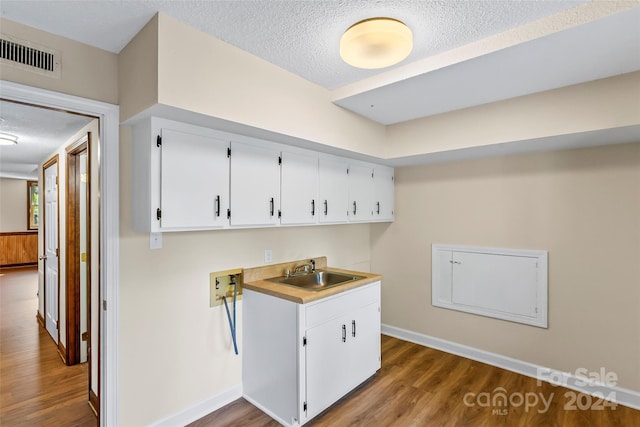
point(155, 241)
point(268, 256)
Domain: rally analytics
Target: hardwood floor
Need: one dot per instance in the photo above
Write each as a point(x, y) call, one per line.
point(419, 386)
point(36, 388)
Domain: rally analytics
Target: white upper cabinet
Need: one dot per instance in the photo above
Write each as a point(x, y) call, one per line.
point(194, 181)
point(333, 190)
point(383, 193)
point(187, 177)
point(360, 193)
point(180, 177)
point(299, 188)
point(255, 185)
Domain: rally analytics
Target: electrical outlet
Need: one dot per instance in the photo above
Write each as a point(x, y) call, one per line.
point(268, 256)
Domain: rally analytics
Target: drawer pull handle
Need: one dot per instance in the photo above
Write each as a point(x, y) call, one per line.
point(344, 333)
point(353, 328)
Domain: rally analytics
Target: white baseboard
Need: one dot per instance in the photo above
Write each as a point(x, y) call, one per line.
point(623, 396)
point(201, 409)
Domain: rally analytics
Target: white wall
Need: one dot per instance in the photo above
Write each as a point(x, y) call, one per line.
point(583, 206)
point(175, 351)
point(13, 205)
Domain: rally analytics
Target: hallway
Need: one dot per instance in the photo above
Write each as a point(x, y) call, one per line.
point(36, 388)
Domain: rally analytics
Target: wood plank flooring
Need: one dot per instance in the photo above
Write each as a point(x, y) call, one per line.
point(419, 386)
point(36, 388)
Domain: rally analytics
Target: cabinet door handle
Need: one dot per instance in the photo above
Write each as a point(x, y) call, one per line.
point(326, 207)
point(353, 328)
point(272, 206)
point(344, 333)
point(217, 206)
point(378, 203)
point(313, 207)
point(354, 207)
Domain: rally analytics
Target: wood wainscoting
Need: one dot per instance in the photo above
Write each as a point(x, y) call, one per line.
point(18, 248)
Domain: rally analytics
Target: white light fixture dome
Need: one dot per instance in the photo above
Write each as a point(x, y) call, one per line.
point(376, 43)
point(6, 139)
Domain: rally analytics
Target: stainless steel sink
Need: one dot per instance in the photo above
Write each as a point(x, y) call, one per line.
point(317, 281)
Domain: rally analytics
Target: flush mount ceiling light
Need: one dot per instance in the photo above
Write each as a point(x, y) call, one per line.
point(6, 139)
point(376, 43)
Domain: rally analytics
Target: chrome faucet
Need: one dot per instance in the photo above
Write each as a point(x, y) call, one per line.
point(301, 269)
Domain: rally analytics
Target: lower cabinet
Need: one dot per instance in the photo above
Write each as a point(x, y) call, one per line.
point(299, 359)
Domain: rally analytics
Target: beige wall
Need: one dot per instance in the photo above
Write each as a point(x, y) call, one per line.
point(85, 71)
point(199, 73)
point(13, 204)
point(175, 351)
point(138, 71)
point(600, 104)
point(583, 206)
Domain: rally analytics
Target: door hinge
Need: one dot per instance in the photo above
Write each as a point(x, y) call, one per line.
point(104, 305)
point(158, 214)
point(279, 214)
point(85, 336)
point(304, 341)
point(229, 152)
point(158, 141)
point(56, 180)
point(228, 213)
point(279, 160)
point(57, 252)
point(57, 325)
point(304, 406)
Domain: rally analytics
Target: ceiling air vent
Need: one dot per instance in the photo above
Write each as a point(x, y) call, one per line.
point(29, 56)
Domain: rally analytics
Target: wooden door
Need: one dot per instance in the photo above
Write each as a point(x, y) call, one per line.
point(51, 251)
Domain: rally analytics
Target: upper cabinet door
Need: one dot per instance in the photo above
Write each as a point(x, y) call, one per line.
point(299, 188)
point(255, 185)
point(194, 181)
point(360, 193)
point(383, 194)
point(333, 197)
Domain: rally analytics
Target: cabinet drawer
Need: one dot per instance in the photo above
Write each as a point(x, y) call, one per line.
point(326, 310)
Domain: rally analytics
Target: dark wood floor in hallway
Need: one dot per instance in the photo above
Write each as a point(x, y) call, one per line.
point(422, 387)
point(36, 388)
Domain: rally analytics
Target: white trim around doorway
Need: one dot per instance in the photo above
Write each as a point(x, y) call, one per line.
point(108, 154)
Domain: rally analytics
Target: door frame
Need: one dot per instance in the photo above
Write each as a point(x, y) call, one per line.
point(55, 160)
point(72, 270)
point(109, 220)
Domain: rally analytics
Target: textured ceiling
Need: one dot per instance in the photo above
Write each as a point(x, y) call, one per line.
point(299, 36)
point(485, 44)
point(41, 131)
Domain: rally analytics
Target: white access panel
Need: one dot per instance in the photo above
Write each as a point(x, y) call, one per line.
point(508, 284)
